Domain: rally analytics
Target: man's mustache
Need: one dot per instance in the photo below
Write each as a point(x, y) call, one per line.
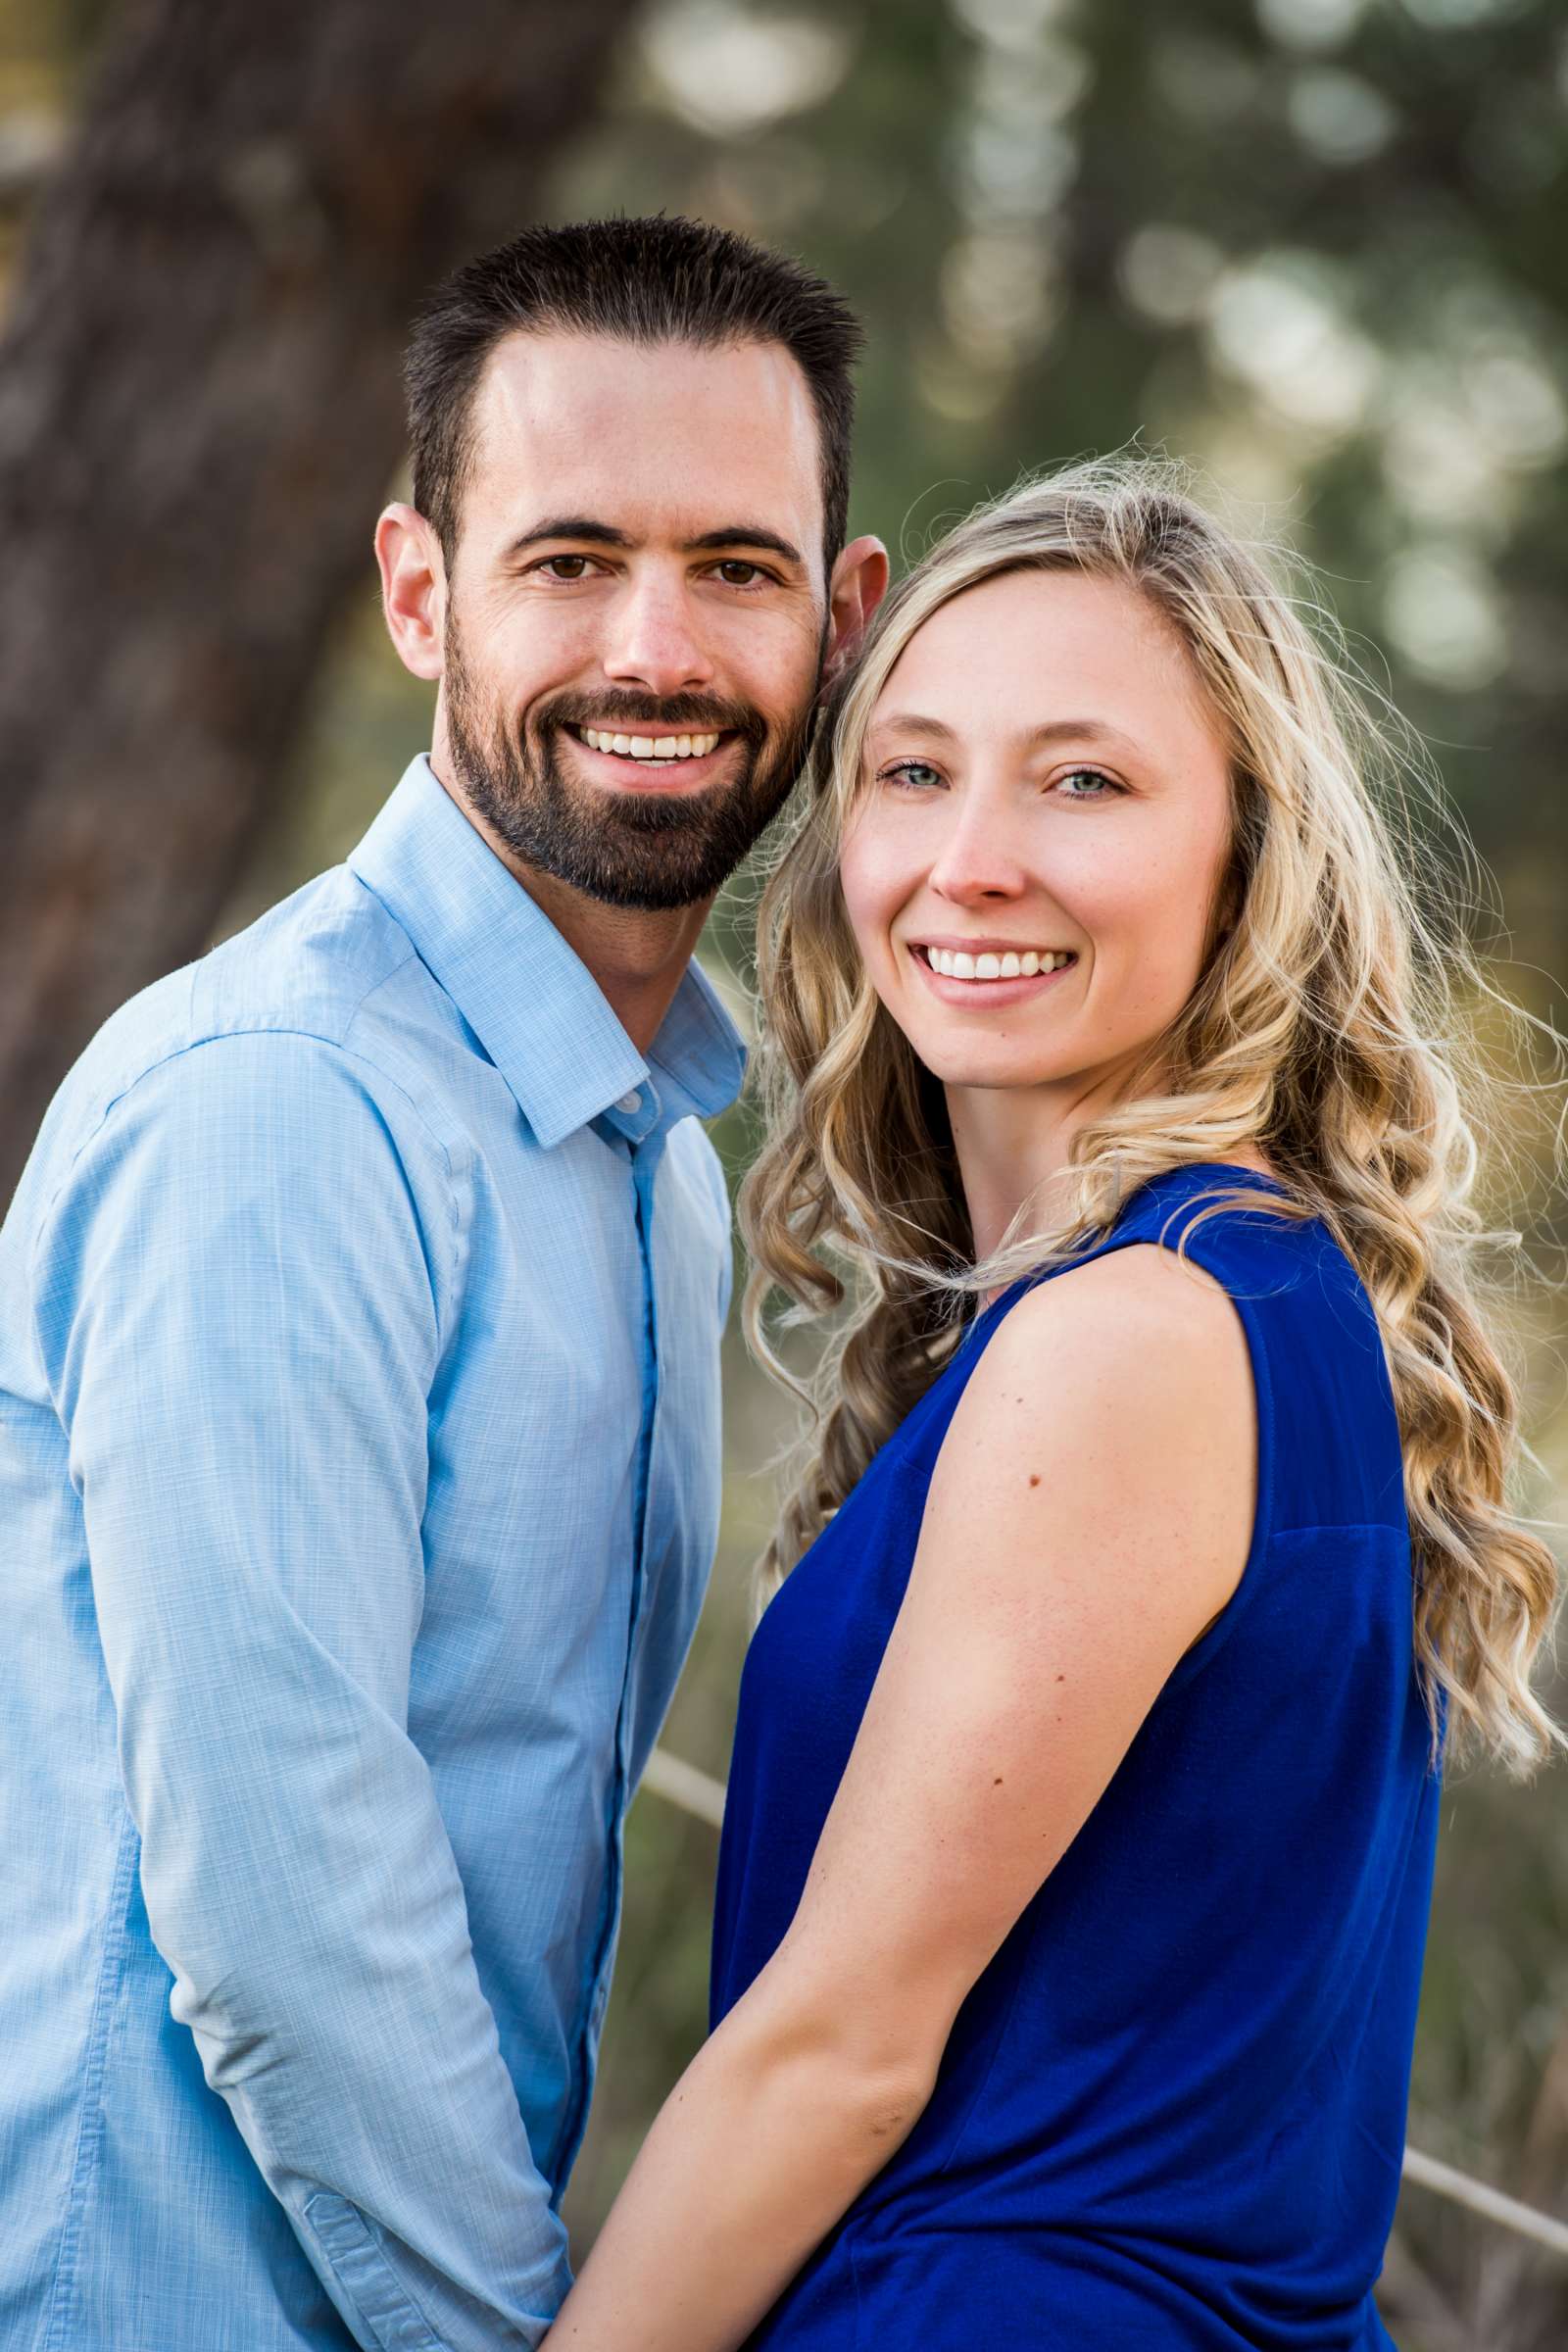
point(646, 713)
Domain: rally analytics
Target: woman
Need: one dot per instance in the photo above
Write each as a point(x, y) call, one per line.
point(1077, 1860)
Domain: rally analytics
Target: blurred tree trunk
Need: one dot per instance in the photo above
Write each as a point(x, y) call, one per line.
point(200, 410)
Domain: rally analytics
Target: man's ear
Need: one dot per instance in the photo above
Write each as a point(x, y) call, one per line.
point(858, 584)
point(414, 589)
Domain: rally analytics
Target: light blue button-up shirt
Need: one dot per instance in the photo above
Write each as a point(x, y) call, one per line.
point(359, 1481)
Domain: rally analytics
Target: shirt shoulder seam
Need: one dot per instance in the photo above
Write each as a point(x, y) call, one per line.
point(255, 1029)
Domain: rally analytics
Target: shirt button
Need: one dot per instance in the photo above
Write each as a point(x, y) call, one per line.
point(630, 1104)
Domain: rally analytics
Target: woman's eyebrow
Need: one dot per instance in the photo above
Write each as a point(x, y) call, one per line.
point(910, 722)
point(1055, 730)
point(1078, 730)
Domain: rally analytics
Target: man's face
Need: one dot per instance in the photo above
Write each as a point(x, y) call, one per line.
point(636, 612)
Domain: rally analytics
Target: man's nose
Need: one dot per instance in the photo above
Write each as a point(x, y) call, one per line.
point(655, 641)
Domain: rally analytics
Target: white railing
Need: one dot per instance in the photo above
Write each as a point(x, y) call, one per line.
point(699, 1793)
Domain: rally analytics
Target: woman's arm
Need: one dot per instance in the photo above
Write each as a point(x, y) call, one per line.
point(1089, 1515)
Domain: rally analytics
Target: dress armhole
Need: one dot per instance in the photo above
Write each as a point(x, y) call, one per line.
point(1182, 1238)
point(1202, 1245)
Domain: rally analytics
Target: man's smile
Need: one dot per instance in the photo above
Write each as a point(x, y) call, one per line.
point(661, 748)
point(648, 762)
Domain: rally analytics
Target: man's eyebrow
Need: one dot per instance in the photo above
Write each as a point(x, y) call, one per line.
point(569, 526)
point(745, 534)
point(586, 527)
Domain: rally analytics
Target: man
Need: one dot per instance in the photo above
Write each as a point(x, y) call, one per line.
point(359, 1320)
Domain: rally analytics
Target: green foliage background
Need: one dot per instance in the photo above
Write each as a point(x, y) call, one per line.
point(1319, 248)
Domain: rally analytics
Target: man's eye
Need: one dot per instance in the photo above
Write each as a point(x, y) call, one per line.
point(564, 567)
point(736, 573)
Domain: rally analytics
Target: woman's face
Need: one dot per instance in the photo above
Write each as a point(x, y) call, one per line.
point(1044, 813)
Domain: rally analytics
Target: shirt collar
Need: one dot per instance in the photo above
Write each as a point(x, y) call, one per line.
point(528, 997)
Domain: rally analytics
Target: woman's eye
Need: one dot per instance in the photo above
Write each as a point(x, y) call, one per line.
point(917, 773)
point(1098, 787)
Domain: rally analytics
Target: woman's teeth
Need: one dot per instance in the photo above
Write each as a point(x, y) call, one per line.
point(954, 965)
point(651, 747)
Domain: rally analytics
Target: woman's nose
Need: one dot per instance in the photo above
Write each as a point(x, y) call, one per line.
point(979, 860)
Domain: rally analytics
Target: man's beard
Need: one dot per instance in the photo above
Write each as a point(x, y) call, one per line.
point(645, 848)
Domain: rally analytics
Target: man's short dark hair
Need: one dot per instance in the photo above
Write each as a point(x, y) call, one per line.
point(659, 281)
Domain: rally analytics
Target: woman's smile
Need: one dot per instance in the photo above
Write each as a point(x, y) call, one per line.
point(986, 976)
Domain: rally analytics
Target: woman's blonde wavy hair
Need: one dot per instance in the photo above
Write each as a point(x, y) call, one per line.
point(1323, 1027)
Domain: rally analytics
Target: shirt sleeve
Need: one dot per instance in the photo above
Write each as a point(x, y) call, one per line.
point(241, 1299)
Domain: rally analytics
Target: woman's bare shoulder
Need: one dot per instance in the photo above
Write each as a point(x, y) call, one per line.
point(1120, 1394)
point(1115, 1309)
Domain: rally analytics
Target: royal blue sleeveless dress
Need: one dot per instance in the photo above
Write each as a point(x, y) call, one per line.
point(1171, 2112)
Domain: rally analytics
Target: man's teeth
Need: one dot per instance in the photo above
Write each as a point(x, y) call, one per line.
point(954, 965)
point(651, 747)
